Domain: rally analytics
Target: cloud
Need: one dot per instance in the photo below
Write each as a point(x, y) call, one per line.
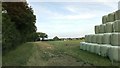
point(75, 17)
point(71, 19)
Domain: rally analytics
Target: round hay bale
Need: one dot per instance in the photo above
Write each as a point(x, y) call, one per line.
point(102, 28)
point(97, 29)
point(99, 38)
point(106, 38)
point(117, 15)
point(115, 39)
point(109, 27)
point(116, 26)
point(104, 19)
point(113, 53)
point(111, 17)
point(104, 50)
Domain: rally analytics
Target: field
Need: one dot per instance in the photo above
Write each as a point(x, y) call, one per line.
point(53, 53)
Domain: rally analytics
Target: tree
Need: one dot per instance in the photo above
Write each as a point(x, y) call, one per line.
point(55, 38)
point(18, 24)
point(42, 35)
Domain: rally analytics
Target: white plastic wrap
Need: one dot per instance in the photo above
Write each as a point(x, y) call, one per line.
point(104, 50)
point(97, 29)
point(88, 46)
point(104, 19)
point(109, 27)
point(106, 38)
point(99, 38)
point(94, 38)
point(102, 28)
point(111, 17)
point(81, 45)
point(114, 53)
point(115, 39)
point(117, 15)
point(86, 38)
point(116, 26)
point(98, 49)
point(89, 38)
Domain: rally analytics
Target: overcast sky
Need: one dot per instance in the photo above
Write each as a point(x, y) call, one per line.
point(70, 19)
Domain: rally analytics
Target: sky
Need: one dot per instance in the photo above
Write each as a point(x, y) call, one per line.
point(69, 19)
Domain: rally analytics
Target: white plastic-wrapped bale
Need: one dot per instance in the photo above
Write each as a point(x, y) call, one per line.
point(102, 28)
point(117, 15)
point(89, 38)
point(109, 27)
point(98, 49)
point(104, 19)
point(88, 46)
point(95, 48)
point(86, 38)
point(106, 38)
point(111, 17)
point(94, 38)
point(104, 50)
point(116, 26)
point(115, 39)
point(97, 29)
point(84, 46)
point(81, 45)
point(92, 48)
point(113, 53)
point(99, 38)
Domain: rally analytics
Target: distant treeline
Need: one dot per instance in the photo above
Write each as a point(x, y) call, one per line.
point(64, 39)
point(18, 25)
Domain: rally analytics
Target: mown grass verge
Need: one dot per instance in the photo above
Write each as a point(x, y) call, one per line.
point(19, 56)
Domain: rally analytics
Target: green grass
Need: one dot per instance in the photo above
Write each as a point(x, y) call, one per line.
point(19, 56)
point(72, 48)
point(44, 53)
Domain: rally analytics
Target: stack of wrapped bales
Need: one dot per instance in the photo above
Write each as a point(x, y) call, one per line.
point(106, 40)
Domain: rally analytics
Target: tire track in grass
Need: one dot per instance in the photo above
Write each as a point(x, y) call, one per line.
point(49, 55)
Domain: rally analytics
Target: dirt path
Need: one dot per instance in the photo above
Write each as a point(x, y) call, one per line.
point(47, 55)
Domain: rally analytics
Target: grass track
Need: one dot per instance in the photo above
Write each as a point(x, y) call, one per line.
point(53, 53)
